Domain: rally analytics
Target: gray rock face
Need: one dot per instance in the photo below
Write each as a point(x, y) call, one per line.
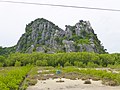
point(69, 46)
point(68, 32)
point(30, 49)
point(47, 37)
point(40, 49)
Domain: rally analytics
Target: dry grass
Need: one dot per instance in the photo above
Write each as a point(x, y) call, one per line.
point(109, 82)
point(32, 82)
point(85, 78)
point(95, 78)
point(71, 75)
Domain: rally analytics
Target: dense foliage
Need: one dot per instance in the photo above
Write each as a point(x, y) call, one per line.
point(80, 59)
point(11, 78)
point(7, 50)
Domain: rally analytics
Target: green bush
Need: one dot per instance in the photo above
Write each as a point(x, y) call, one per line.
point(79, 64)
point(1, 64)
point(67, 64)
point(38, 63)
point(41, 63)
point(3, 86)
point(11, 79)
point(92, 65)
point(17, 64)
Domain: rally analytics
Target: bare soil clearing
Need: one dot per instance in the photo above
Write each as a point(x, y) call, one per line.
point(68, 84)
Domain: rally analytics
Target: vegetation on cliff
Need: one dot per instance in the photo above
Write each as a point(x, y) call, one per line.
point(42, 35)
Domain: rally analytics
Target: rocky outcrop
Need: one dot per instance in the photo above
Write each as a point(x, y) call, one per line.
point(43, 36)
point(69, 46)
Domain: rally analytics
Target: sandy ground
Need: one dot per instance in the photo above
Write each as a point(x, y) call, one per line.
point(70, 85)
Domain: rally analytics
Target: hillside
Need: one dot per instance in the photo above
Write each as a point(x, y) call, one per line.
point(42, 35)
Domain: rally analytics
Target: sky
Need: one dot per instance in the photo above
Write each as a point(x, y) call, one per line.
point(106, 24)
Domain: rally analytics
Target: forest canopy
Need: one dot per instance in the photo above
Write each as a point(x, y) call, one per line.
point(80, 59)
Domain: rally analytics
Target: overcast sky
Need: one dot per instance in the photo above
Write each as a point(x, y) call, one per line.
point(106, 24)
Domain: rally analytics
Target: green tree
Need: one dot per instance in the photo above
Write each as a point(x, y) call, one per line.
point(2, 59)
point(106, 59)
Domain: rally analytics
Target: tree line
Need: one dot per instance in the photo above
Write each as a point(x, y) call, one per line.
point(80, 59)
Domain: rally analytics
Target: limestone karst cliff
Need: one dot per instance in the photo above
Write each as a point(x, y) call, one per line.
point(44, 36)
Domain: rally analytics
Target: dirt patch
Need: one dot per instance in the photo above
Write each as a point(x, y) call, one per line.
point(68, 84)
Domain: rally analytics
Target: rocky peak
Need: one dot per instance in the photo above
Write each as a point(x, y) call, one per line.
point(84, 25)
point(44, 36)
point(39, 33)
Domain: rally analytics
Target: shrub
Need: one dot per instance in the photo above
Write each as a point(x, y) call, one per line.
point(38, 63)
point(17, 64)
point(79, 64)
point(67, 64)
point(1, 64)
point(87, 82)
point(92, 65)
point(41, 63)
